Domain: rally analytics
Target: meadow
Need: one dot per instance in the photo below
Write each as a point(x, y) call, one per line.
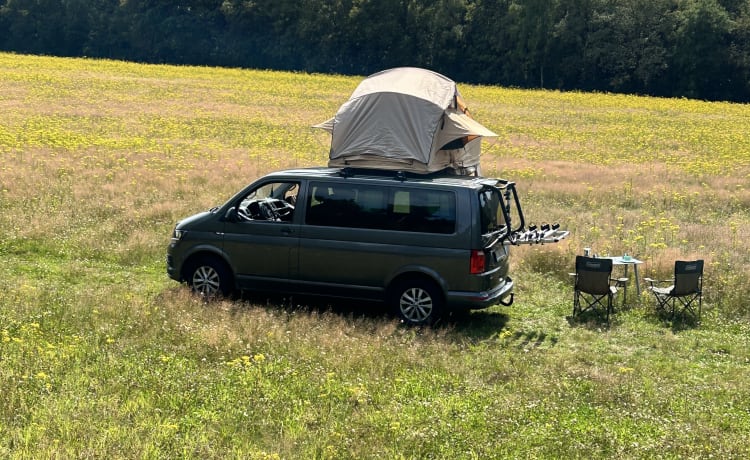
point(102, 356)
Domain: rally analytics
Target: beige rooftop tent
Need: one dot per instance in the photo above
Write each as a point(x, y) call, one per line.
point(406, 119)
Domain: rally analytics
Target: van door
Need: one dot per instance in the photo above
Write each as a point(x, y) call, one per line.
point(335, 251)
point(357, 236)
point(261, 236)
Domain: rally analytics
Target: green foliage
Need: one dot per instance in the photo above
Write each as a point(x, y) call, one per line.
point(701, 47)
point(102, 356)
point(691, 48)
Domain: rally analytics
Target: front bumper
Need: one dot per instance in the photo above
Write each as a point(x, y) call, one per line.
point(174, 261)
point(172, 271)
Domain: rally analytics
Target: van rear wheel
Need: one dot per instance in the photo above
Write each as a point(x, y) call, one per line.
point(417, 302)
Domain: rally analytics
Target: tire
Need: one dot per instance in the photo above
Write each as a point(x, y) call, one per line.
point(210, 278)
point(417, 302)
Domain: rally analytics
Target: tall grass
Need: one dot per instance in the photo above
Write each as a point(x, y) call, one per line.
point(102, 356)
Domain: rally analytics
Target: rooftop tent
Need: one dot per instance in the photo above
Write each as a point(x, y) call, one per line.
point(406, 119)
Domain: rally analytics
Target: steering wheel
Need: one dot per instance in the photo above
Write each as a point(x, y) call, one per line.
point(286, 209)
point(267, 211)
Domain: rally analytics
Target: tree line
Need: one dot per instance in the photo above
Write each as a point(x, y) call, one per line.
point(674, 48)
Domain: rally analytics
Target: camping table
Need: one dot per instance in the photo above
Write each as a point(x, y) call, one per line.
point(627, 261)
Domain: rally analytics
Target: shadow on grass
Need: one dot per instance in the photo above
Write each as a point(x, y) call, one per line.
point(474, 325)
point(677, 323)
point(355, 309)
point(596, 321)
point(591, 320)
point(477, 324)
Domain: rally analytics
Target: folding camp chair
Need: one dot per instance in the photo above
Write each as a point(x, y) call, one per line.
point(685, 295)
point(594, 288)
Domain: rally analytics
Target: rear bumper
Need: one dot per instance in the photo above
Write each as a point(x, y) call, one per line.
point(478, 300)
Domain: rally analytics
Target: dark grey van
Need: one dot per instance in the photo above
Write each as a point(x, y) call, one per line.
point(422, 243)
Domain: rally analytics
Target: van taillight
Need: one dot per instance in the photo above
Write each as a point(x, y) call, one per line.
point(476, 262)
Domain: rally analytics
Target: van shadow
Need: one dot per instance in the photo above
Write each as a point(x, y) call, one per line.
point(299, 303)
point(473, 325)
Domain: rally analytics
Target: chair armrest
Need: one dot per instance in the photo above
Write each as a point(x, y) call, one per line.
point(652, 281)
point(619, 282)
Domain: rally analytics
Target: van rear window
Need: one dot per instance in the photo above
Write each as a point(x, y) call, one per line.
point(381, 208)
point(491, 217)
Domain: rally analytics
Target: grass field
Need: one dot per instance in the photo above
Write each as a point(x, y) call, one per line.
point(102, 356)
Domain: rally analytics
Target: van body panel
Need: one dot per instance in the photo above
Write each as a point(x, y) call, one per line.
point(200, 237)
point(372, 258)
point(259, 251)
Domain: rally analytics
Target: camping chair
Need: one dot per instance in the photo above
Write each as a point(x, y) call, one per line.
point(594, 287)
point(685, 295)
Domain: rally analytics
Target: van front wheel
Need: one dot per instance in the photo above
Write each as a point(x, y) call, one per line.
point(209, 277)
point(417, 302)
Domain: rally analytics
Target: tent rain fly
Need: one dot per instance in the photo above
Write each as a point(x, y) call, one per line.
point(406, 119)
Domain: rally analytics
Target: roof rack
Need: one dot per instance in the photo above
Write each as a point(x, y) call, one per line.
point(349, 171)
point(397, 174)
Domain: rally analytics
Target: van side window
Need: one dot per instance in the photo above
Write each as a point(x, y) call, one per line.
point(332, 205)
point(381, 208)
point(427, 211)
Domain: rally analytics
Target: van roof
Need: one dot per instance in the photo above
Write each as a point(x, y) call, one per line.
point(439, 178)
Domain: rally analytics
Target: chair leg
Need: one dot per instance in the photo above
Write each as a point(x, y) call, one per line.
point(663, 305)
point(594, 303)
point(688, 306)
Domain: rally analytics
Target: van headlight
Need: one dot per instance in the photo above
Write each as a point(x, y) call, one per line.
point(177, 234)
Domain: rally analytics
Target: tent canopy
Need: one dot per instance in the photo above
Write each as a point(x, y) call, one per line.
point(408, 119)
